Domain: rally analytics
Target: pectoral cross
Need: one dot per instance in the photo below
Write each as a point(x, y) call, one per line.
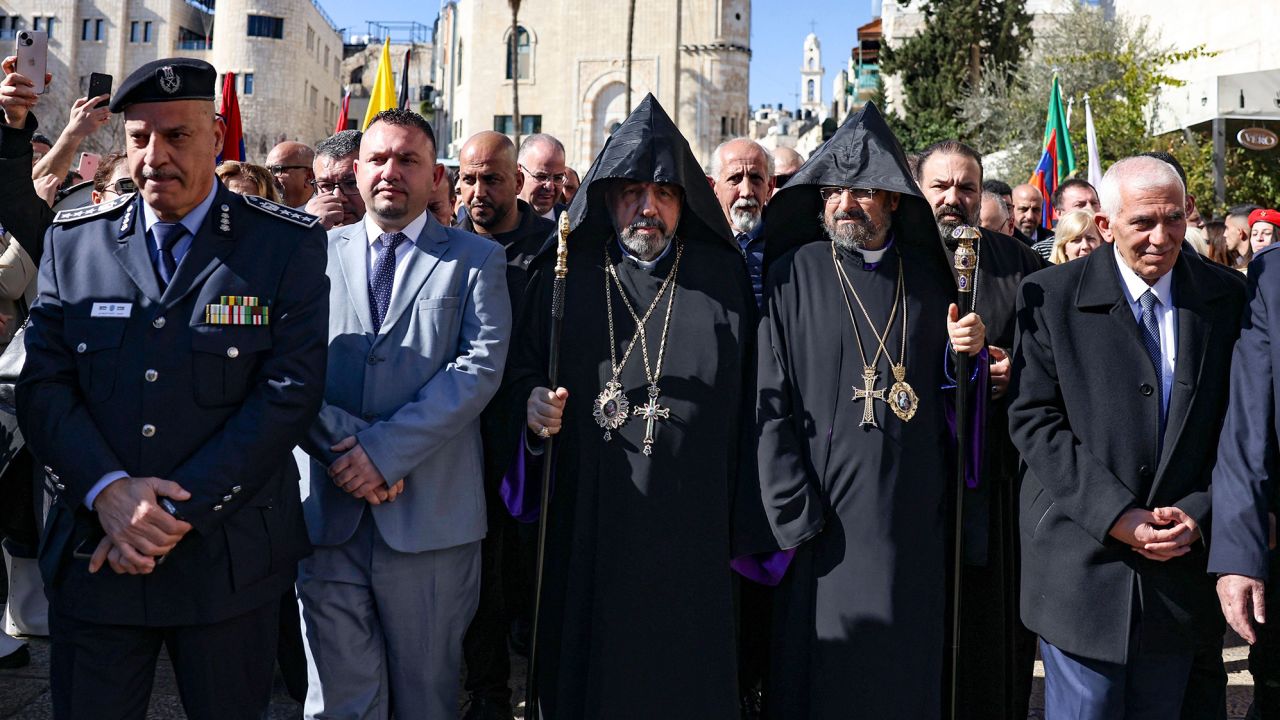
point(866, 394)
point(651, 411)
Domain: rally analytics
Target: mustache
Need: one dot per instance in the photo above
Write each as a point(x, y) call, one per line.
point(648, 223)
point(847, 215)
point(952, 209)
point(745, 203)
point(158, 174)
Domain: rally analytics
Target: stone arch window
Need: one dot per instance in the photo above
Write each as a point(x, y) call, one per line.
point(357, 75)
point(813, 63)
point(812, 92)
point(523, 60)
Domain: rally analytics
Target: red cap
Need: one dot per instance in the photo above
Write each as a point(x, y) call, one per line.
point(1264, 215)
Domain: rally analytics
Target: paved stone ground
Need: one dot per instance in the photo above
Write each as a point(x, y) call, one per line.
point(24, 693)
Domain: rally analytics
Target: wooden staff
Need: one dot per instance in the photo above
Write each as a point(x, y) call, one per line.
point(548, 444)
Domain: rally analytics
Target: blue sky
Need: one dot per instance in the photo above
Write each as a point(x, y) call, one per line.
point(778, 29)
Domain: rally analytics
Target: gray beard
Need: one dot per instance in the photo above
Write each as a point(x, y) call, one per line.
point(851, 238)
point(744, 220)
point(642, 247)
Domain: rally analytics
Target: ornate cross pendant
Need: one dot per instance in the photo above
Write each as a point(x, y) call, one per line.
point(651, 412)
point(866, 394)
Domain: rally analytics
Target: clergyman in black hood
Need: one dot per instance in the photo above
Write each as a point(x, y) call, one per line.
point(855, 466)
point(637, 616)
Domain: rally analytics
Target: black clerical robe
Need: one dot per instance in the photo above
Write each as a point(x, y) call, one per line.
point(637, 617)
point(859, 629)
point(996, 651)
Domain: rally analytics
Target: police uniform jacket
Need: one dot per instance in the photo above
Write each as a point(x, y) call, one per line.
point(121, 375)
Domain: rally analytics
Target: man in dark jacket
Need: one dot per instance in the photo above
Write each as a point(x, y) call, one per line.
point(490, 181)
point(1121, 369)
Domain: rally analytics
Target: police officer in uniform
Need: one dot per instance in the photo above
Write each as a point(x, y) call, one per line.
point(176, 354)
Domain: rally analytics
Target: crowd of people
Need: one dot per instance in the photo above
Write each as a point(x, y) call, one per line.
point(296, 415)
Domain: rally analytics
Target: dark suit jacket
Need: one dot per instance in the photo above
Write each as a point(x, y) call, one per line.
point(1085, 417)
point(23, 213)
point(1244, 484)
point(225, 403)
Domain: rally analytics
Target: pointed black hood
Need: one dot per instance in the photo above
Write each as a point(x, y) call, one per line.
point(648, 147)
point(862, 153)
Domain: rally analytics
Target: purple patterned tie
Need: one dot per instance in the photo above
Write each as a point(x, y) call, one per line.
point(384, 275)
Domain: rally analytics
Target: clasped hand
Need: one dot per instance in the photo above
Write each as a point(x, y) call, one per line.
point(139, 531)
point(356, 474)
point(1160, 534)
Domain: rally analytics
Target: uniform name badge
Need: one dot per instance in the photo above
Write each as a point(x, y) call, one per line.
point(237, 310)
point(111, 310)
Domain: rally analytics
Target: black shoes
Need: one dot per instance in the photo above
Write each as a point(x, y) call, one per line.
point(480, 707)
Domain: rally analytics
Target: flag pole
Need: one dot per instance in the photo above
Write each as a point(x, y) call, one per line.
point(544, 507)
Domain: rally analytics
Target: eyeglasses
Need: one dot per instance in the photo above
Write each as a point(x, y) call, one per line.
point(122, 186)
point(544, 178)
point(347, 186)
point(833, 193)
point(282, 169)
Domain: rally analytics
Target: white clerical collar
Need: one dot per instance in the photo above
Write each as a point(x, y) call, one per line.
point(411, 231)
point(871, 257)
point(1135, 286)
point(645, 264)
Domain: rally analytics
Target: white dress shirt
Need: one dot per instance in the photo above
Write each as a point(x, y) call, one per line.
point(411, 231)
point(1166, 318)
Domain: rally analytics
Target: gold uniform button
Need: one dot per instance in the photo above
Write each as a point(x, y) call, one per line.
point(151, 375)
point(81, 347)
point(157, 323)
point(148, 430)
point(233, 352)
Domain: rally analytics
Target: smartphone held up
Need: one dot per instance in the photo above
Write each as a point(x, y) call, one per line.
point(32, 50)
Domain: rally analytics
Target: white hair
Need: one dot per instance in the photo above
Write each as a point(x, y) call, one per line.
point(717, 162)
point(988, 196)
point(1136, 173)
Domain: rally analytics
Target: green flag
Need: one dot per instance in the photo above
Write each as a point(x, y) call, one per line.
point(1055, 131)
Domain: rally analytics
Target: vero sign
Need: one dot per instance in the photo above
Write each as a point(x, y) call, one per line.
point(1257, 138)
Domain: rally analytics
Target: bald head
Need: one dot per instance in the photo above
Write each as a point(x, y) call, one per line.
point(1028, 209)
point(290, 164)
point(542, 163)
point(786, 161)
point(489, 181)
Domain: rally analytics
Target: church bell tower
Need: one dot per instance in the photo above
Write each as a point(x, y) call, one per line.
point(811, 79)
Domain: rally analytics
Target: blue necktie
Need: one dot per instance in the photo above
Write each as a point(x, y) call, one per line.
point(168, 235)
point(1151, 339)
point(384, 275)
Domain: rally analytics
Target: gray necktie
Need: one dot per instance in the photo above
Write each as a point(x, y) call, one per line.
point(384, 275)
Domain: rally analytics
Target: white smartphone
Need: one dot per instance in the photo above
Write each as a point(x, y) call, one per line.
point(33, 57)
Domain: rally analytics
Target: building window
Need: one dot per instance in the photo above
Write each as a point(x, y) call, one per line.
point(189, 39)
point(133, 31)
point(326, 59)
point(37, 23)
point(357, 75)
point(97, 29)
point(146, 31)
point(84, 29)
point(458, 62)
point(311, 38)
point(523, 54)
point(265, 26)
point(813, 90)
point(247, 80)
point(529, 124)
point(315, 93)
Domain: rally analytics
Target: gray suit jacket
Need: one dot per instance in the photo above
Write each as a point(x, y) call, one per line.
point(411, 394)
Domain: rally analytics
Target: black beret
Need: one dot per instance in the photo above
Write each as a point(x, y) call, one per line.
point(165, 80)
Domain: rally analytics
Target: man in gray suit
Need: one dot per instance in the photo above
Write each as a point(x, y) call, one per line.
point(417, 343)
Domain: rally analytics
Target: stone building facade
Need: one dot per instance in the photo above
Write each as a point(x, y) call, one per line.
point(287, 55)
point(693, 55)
